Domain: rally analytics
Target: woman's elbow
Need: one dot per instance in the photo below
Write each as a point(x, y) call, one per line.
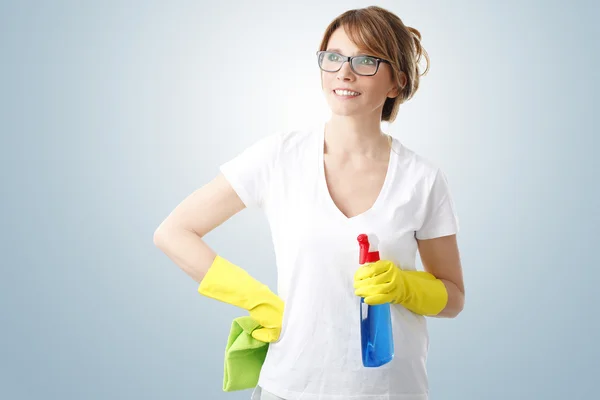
point(161, 237)
point(457, 306)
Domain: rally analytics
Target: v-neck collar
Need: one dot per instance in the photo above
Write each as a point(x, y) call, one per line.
point(389, 177)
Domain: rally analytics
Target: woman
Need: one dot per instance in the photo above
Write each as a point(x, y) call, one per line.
point(320, 189)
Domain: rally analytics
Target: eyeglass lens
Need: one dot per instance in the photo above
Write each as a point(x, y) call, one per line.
point(362, 65)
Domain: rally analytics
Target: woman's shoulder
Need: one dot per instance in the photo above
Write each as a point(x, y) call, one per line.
point(415, 162)
point(297, 137)
point(287, 142)
point(276, 143)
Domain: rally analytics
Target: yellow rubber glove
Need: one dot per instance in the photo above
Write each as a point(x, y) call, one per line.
point(230, 284)
point(383, 282)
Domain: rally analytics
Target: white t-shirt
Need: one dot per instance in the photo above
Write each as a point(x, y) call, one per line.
point(318, 354)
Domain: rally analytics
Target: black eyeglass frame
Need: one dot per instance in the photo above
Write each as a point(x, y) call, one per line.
point(349, 60)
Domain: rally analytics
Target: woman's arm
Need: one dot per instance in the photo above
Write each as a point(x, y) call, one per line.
point(441, 258)
point(179, 236)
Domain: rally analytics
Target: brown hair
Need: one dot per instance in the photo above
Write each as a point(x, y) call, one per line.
point(381, 33)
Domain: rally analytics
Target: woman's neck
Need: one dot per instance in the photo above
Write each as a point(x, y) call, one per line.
point(356, 137)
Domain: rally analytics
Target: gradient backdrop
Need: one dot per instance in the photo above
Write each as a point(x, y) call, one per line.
point(112, 112)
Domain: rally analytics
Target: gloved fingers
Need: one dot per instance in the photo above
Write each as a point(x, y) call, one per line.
point(377, 299)
point(267, 315)
point(384, 277)
point(383, 288)
point(266, 335)
point(372, 269)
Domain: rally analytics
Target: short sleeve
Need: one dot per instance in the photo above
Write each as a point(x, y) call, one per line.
point(440, 212)
point(250, 172)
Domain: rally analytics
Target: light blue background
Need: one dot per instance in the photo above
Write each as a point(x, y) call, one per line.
point(112, 112)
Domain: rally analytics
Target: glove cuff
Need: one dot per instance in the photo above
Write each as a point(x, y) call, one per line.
point(229, 283)
point(424, 294)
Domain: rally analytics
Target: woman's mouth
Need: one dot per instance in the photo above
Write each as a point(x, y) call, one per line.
point(346, 94)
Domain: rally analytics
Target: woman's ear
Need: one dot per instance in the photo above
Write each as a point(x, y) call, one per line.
point(403, 80)
point(395, 91)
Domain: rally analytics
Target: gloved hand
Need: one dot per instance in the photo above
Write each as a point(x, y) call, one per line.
point(383, 282)
point(230, 284)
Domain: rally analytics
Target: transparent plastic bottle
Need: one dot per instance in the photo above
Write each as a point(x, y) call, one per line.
point(377, 341)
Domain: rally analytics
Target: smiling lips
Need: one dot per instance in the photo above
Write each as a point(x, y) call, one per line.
point(344, 93)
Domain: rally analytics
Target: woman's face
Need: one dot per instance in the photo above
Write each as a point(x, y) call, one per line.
point(374, 90)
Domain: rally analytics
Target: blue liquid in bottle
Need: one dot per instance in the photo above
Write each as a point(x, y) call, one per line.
point(376, 334)
point(377, 341)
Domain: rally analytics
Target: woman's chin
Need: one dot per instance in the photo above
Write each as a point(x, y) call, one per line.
point(344, 110)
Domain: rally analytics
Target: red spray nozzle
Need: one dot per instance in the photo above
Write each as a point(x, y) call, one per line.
point(366, 245)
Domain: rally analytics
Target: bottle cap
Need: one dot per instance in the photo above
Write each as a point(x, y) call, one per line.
point(369, 248)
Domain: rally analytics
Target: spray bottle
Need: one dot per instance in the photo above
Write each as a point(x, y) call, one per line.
point(377, 342)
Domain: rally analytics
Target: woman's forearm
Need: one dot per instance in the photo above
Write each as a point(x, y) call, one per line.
point(187, 250)
point(179, 236)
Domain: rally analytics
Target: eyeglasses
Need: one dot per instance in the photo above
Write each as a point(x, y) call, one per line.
point(361, 65)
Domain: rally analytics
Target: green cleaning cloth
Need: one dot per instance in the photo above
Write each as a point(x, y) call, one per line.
point(244, 356)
